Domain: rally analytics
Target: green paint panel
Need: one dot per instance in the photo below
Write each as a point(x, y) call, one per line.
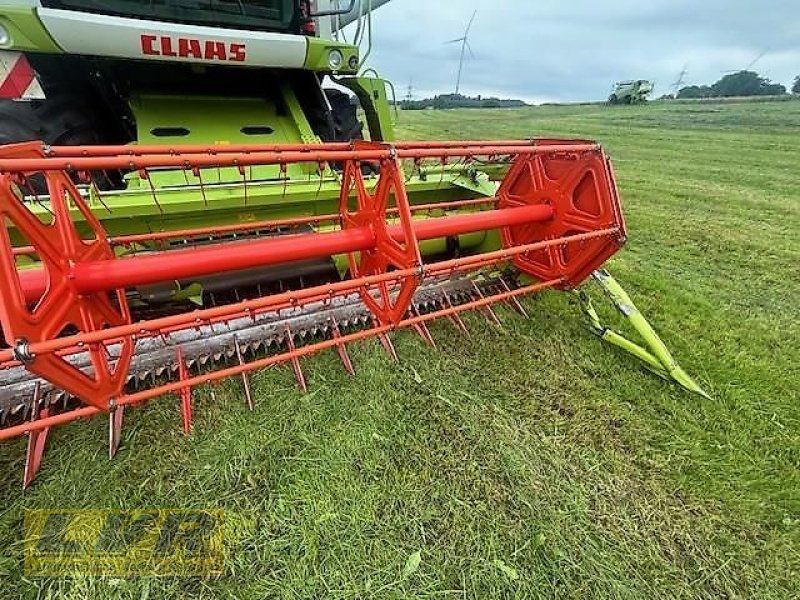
point(371, 92)
point(26, 32)
point(184, 120)
point(319, 51)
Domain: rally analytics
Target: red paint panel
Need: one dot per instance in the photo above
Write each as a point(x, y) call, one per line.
point(19, 79)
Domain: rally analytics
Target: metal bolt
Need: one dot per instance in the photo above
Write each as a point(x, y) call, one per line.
point(22, 352)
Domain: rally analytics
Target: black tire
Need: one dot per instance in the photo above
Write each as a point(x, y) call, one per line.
point(344, 112)
point(64, 118)
point(612, 99)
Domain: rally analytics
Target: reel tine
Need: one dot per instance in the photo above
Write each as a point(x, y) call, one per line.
point(248, 393)
point(197, 173)
point(341, 348)
point(242, 172)
point(36, 440)
point(285, 177)
point(512, 300)
point(425, 334)
point(387, 344)
point(488, 311)
point(321, 171)
point(422, 329)
point(115, 418)
point(298, 370)
point(186, 393)
point(144, 174)
point(95, 191)
point(455, 318)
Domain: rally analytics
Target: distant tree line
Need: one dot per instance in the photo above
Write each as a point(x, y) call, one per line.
point(743, 83)
point(445, 101)
point(796, 86)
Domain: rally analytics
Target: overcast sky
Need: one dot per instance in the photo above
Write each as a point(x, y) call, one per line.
point(572, 50)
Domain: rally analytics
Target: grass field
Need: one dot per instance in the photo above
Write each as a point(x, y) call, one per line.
point(527, 462)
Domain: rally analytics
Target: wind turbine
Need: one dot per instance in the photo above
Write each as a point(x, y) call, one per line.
point(464, 47)
point(752, 64)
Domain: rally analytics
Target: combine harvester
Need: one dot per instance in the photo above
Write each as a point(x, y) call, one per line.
point(184, 202)
point(631, 92)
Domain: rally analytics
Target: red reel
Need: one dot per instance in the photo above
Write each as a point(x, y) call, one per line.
point(358, 209)
point(580, 187)
point(60, 309)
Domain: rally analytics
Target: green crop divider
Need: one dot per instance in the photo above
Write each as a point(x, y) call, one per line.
point(654, 353)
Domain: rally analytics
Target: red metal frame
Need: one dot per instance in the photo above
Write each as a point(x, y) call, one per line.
point(393, 248)
point(582, 195)
point(212, 149)
point(257, 365)
point(14, 159)
point(61, 306)
point(557, 210)
point(276, 302)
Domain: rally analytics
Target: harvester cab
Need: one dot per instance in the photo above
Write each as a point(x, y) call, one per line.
point(176, 72)
point(183, 201)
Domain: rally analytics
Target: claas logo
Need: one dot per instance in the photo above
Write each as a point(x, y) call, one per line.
point(120, 543)
point(182, 47)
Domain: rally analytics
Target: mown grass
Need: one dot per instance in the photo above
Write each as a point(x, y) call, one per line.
point(524, 462)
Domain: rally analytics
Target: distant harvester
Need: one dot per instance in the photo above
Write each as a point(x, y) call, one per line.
point(631, 92)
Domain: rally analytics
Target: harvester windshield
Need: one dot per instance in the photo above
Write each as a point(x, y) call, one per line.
point(271, 15)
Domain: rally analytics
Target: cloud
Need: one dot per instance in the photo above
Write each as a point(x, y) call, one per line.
point(572, 50)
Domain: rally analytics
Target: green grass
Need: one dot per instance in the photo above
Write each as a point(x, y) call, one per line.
point(525, 462)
